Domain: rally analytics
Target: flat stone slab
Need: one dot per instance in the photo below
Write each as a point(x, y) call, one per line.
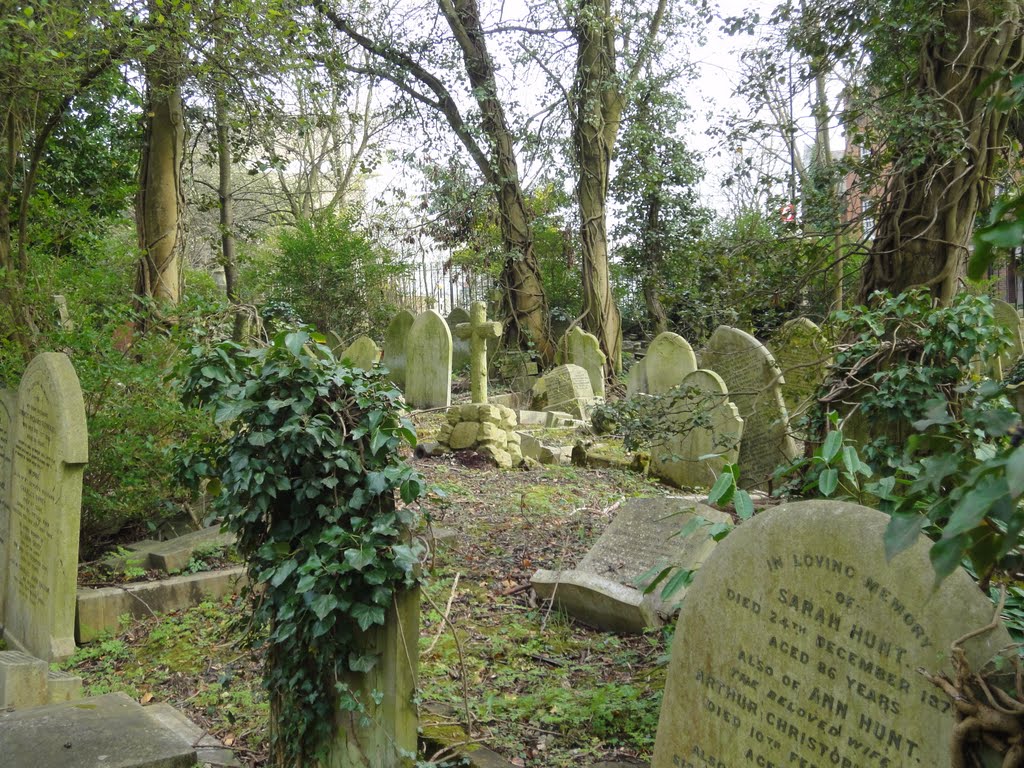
point(175, 554)
point(596, 601)
point(99, 610)
point(110, 731)
point(209, 750)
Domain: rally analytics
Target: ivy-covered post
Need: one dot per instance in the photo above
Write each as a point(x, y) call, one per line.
point(307, 478)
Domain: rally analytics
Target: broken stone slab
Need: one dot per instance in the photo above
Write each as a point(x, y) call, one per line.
point(62, 686)
point(175, 554)
point(112, 731)
point(209, 750)
point(532, 418)
point(22, 680)
point(597, 601)
point(99, 610)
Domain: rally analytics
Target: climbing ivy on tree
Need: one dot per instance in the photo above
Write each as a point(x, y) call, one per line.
point(306, 478)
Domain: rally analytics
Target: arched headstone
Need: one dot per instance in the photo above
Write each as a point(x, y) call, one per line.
point(362, 353)
point(799, 643)
point(1007, 316)
point(394, 346)
point(669, 359)
point(583, 349)
point(803, 354)
point(428, 355)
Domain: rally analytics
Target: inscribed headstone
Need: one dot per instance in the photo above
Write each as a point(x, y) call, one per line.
point(460, 347)
point(50, 449)
point(362, 353)
point(1006, 315)
point(569, 390)
point(583, 349)
point(799, 643)
point(428, 355)
point(394, 346)
point(701, 422)
point(803, 354)
point(754, 382)
point(602, 591)
point(8, 406)
point(669, 358)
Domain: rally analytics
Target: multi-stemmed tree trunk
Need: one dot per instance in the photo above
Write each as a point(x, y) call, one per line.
point(160, 201)
point(926, 212)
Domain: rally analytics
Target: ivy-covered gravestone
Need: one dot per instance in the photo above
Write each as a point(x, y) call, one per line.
point(307, 481)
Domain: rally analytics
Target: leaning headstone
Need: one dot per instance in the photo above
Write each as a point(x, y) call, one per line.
point(669, 359)
point(583, 349)
point(803, 354)
point(428, 355)
point(702, 433)
point(754, 383)
point(568, 389)
point(394, 346)
point(362, 353)
point(602, 591)
point(460, 346)
point(1006, 315)
point(48, 455)
point(799, 644)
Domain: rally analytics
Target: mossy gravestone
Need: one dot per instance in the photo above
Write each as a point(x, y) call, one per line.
point(428, 359)
point(46, 444)
point(362, 353)
point(1006, 315)
point(394, 346)
point(803, 354)
point(460, 346)
point(669, 358)
point(583, 349)
point(798, 644)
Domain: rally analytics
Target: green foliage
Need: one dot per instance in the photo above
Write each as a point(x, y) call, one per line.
point(307, 477)
point(332, 275)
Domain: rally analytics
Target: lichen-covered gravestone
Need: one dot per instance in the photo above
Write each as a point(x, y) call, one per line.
point(702, 422)
point(460, 346)
point(669, 359)
point(569, 390)
point(754, 382)
point(799, 644)
point(362, 353)
point(602, 590)
point(1007, 316)
point(48, 447)
point(636, 380)
point(394, 346)
point(583, 349)
point(428, 356)
point(803, 354)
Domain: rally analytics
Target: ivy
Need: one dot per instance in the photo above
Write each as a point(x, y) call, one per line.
point(306, 478)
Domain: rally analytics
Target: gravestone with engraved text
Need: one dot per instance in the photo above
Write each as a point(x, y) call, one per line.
point(799, 644)
point(583, 349)
point(48, 449)
point(569, 390)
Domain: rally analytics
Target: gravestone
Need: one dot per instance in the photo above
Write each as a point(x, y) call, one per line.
point(799, 644)
point(8, 407)
point(636, 380)
point(1006, 315)
point(803, 354)
point(702, 421)
point(48, 446)
point(602, 590)
point(583, 349)
point(478, 331)
point(669, 358)
point(460, 346)
point(754, 383)
point(428, 358)
point(394, 346)
point(362, 353)
point(569, 390)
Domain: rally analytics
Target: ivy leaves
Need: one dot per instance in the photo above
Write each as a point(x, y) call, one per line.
point(308, 470)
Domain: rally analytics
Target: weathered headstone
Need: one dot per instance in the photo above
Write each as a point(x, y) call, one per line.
point(8, 408)
point(754, 382)
point(428, 355)
point(49, 449)
point(394, 346)
point(583, 349)
point(460, 346)
point(803, 354)
point(1006, 315)
point(478, 331)
point(569, 390)
point(636, 380)
point(669, 358)
point(362, 353)
point(602, 590)
point(701, 422)
point(799, 644)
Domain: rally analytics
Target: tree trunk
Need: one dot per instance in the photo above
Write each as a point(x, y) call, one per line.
point(523, 299)
point(926, 211)
point(597, 109)
point(160, 201)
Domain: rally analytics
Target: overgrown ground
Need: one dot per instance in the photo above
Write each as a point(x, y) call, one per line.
point(538, 688)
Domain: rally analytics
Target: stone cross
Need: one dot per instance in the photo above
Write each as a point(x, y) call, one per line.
point(478, 330)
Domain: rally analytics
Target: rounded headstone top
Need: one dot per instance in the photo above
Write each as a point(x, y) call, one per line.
point(669, 358)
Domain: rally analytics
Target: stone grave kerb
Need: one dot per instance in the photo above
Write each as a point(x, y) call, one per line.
point(478, 330)
point(51, 448)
